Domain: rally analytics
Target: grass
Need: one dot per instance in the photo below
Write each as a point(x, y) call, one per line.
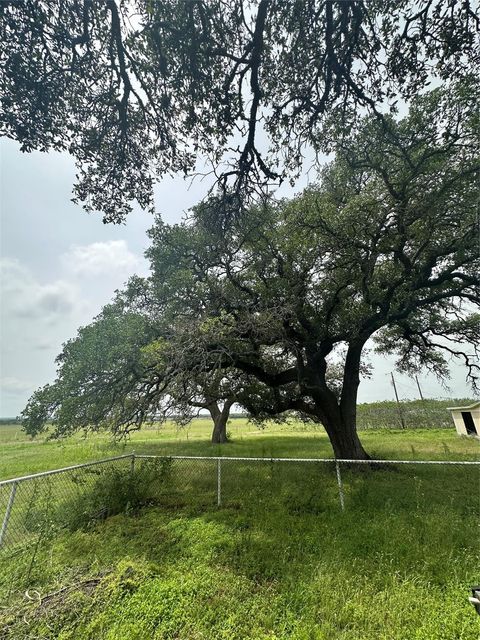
point(21, 455)
point(278, 560)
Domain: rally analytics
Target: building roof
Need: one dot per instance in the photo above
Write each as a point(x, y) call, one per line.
point(469, 408)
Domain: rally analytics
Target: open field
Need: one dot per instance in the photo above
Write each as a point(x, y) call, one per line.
point(20, 455)
point(278, 560)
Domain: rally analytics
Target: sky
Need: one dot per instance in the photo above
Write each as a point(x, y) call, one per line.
point(60, 265)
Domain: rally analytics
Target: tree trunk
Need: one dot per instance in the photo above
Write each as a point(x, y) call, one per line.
point(220, 419)
point(340, 417)
point(339, 420)
point(343, 430)
point(345, 441)
point(219, 434)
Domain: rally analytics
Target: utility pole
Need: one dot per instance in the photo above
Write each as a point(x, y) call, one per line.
point(398, 402)
point(423, 399)
point(419, 389)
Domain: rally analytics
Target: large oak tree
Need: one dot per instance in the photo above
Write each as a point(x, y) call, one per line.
point(384, 249)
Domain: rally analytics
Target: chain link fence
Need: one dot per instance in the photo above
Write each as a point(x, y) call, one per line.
point(34, 509)
point(31, 506)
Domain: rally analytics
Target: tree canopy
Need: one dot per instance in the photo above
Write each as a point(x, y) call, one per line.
point(124, 370)
point(100, 380)
point(136, 89)
point(385, 248)
point(283, 303)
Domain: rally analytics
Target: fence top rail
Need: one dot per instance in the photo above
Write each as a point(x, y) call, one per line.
point(52, 472)
point(42, 474)
point(330, 460)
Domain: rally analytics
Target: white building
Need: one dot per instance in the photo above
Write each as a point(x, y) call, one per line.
point(467, 419)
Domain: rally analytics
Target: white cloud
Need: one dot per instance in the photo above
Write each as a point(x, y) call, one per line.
point(10, 384)
point(102, 258)
point(23, 296)
point(35, 318)
point(37, 315)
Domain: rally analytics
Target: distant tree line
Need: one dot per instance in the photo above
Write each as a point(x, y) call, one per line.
point(430, 413)
point(417, 414)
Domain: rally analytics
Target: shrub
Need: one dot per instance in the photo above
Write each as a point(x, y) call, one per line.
point(116, 490)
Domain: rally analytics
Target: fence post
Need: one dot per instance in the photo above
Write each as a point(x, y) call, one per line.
point(8, 511)
point(340, 486)
point(219, 483)
point(132, 464)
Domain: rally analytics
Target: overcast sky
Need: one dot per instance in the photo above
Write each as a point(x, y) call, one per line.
point(60, 265)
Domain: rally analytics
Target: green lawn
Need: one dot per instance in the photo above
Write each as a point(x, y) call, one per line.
point(278, 560)
point(20, 455)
